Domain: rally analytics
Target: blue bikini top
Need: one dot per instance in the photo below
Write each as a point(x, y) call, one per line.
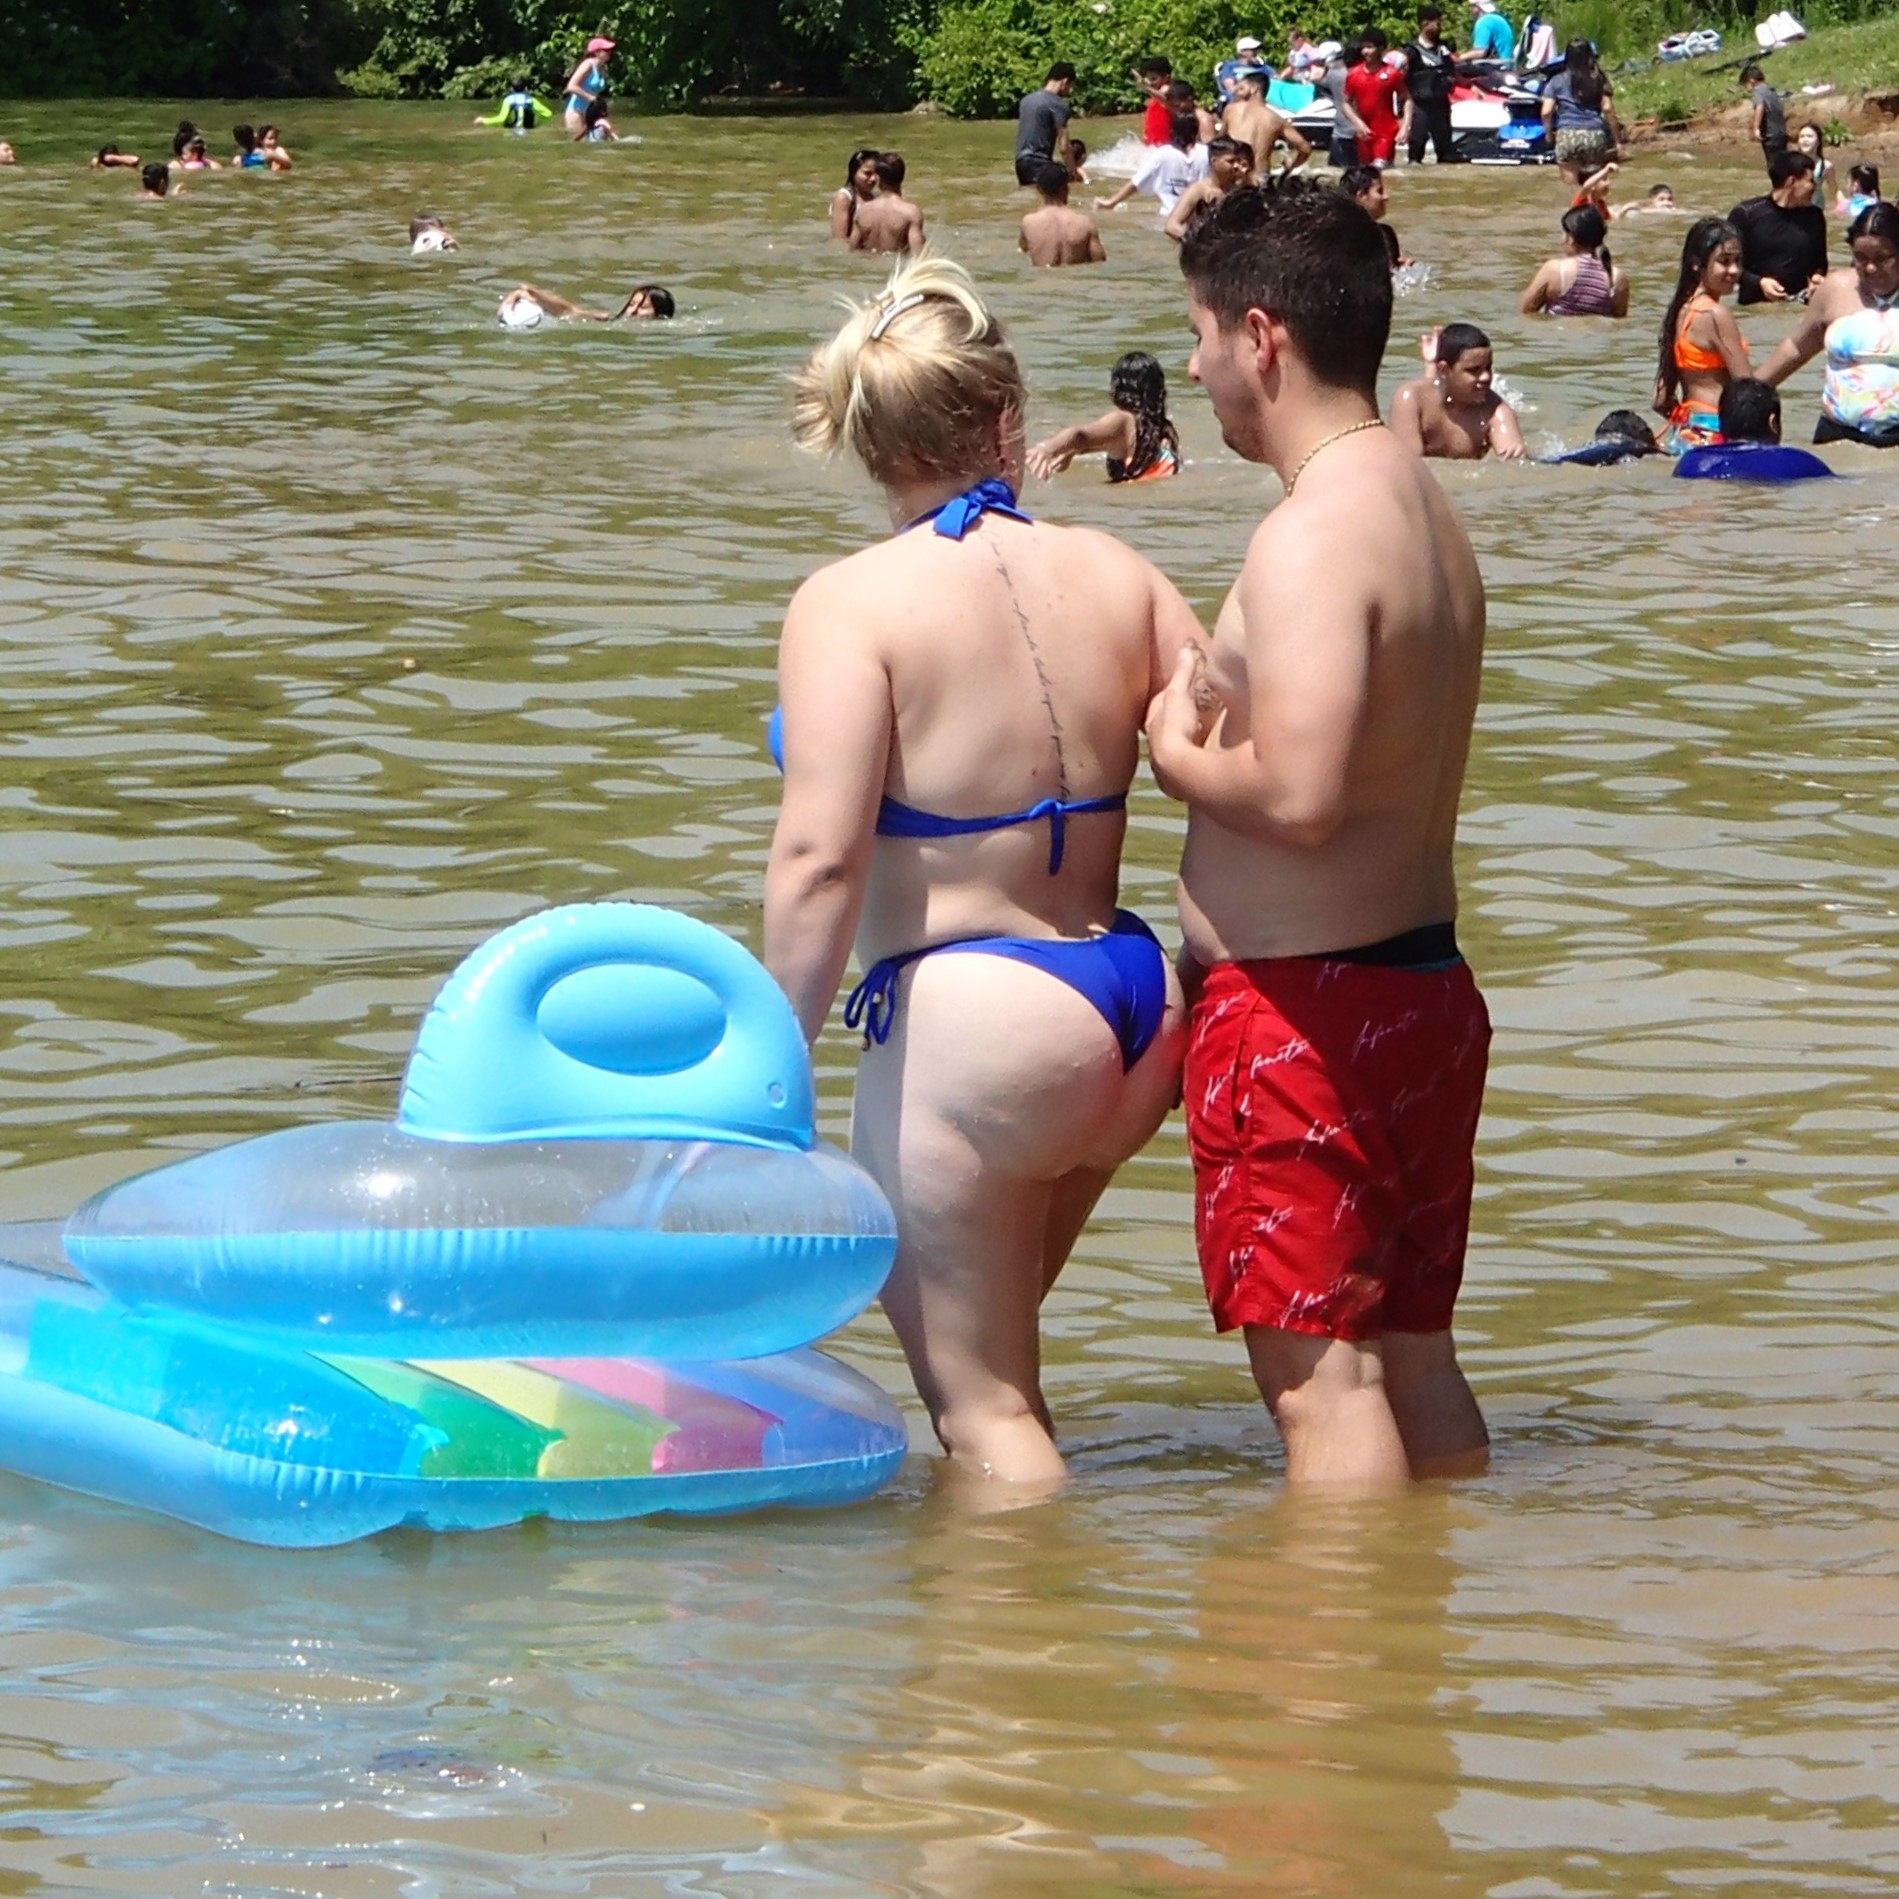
point(953, 520)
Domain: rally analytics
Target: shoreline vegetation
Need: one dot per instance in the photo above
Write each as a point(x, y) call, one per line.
point(969, 59)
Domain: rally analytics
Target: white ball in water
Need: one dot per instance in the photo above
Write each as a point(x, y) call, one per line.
point(523, 314)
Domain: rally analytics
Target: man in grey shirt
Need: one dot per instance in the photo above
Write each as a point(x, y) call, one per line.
point(1770, 116)
point(1041, 124)
point(1347, 126)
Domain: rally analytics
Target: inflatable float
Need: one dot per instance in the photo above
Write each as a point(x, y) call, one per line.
point(522, 1297)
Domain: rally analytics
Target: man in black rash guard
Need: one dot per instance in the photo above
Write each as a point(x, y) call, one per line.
point(1783, 235)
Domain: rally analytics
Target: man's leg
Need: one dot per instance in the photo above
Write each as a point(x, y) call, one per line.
point(1435, 1411)
point(1442, 134)
point(1328, 1398)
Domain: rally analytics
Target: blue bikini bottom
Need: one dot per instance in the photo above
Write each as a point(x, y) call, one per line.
point(1123, 973)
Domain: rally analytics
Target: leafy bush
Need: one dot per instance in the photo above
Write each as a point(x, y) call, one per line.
point(980, 56)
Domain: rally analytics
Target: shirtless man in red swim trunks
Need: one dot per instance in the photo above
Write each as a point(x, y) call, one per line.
point(1336, 1064)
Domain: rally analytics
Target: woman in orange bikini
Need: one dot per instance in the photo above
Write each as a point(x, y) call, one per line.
point(1702, 349)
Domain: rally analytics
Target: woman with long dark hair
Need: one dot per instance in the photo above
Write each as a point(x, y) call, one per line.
point(1702, 349)
point(1137, 435)
point(1577, 114)
point(859, 187)
point(1854, 316)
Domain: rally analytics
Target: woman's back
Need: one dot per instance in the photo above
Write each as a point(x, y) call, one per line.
point(1019, 662)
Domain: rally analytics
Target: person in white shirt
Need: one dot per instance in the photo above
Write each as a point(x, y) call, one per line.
point(1167, 170)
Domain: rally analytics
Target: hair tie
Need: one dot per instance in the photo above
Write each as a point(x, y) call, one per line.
point(894, 311)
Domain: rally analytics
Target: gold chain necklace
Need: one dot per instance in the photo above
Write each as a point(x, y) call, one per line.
point(1337, 435)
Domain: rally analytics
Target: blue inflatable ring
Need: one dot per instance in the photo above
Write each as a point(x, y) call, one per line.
point(605, 1145)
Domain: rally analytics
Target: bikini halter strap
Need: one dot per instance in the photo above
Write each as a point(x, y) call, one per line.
point(961, 512)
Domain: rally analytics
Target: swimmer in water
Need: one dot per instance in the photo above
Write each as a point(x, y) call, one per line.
point(1659, 202)
point(1620, 436)
point(1137, 436)
point(155, 183)
point(962, 706)
point(1864, 180)
point(1702, 348)
point(1365, 186)
point(857, 190)
point(888, 222)
point(586, 83)
point(428, 234)
point(196, 156)
point(110, 158)
point(650, 302)
point(1078, 163)
point(247, 157)
point(1585, 280)
point(519, 111)
point(8, 156)
point(1058, 233)
point(1229, 167)
point(185, 133)
point(598, 129)
point(276, 152)
point(1451, 412)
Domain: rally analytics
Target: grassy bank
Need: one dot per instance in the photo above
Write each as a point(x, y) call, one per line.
point(1859, 62)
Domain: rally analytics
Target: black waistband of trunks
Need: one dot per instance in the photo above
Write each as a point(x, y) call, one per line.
point(1429, 946)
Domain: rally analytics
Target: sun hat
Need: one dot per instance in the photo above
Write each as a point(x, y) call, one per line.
point(1247, 44)
point(599, 46)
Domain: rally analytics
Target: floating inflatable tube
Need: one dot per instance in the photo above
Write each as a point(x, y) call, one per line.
point(1772, 462)
point(605, 1146)
point(271, 1445)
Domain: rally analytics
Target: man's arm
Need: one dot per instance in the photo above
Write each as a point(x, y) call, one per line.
point(913, 238)
point(1118, 200)
point(1185, 206)
point(1097, 251)
point(1286, 780)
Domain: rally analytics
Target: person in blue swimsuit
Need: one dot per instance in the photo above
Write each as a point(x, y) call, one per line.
point(586, 83)
point(961, 707)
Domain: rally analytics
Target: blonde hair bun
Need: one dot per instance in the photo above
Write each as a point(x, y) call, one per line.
point(914, 381)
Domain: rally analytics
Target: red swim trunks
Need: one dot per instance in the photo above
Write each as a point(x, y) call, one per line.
point(1331, 1111)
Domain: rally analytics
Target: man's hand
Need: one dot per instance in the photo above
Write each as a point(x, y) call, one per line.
point(1181, 717)
point(1773, 290)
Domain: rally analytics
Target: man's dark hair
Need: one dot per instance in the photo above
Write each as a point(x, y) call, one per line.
point(1750, 411)
point(1184, 130)
point(1751, 75)
point(155, 178)
point(1787, 165)
point(889, 168)
point(1062, 69)
point(1373, 36)
point(1228, 148)
point(1178, 95)
point(245, 137)
point(1308, 256)
point(1426, 14)
point(1158, 67)
point(1356, 180)
point(1455, 338)
point(1051, 180)
point(1624, 425)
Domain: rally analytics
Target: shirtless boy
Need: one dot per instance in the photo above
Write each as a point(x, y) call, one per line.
point(1229, 166)
point(1058, 233)
point(1253, 122)
point(889, 221)
point(1338, 1043)
point(1451, 412)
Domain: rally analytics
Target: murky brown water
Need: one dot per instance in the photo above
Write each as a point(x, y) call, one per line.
point(343, 627)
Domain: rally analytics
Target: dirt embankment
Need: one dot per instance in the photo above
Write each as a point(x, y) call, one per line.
point(1871, 117)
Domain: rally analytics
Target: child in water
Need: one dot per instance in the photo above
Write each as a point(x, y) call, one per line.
point(1139, 440)
point(1451, 412)
point(1864, 180)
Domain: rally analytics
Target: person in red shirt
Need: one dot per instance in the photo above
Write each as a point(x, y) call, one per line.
point(1377, 94)
point(1153, 76)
